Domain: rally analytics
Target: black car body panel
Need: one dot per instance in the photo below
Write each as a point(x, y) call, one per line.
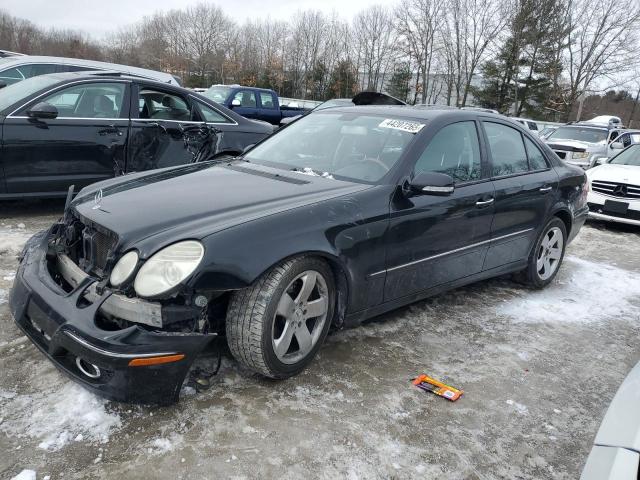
point(43, 157)
point(386, 248)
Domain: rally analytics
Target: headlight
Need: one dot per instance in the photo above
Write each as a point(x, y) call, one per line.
point(580, 155)
point(124, 268)
point(168, 268)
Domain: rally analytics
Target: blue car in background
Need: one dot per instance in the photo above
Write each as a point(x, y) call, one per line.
point(251, 102)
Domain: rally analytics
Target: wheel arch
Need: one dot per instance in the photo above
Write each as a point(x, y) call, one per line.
point(224, 281)
point(566, 217)
point(341, 277)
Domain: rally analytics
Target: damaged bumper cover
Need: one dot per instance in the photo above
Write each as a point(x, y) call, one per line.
point(112, 363)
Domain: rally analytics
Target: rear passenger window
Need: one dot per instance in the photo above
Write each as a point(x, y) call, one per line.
point(266, 100)
point(158, 105)
point(507, 150)
point(536, 158)
point(455, 151)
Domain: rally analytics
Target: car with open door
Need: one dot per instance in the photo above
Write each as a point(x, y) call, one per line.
point(69, 129)
point(345, 214)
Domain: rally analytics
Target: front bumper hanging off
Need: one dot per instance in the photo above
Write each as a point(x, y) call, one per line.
point(133, 364)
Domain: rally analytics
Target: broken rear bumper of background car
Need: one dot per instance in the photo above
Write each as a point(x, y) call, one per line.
point(122, 365)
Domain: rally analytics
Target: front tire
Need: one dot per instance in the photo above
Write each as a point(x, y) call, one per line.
point(546, 256)
point(276, 326)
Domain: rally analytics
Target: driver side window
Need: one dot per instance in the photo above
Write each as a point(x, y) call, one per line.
point(455, 151)
point(90, 100)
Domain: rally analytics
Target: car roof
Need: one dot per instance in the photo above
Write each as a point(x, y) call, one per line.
point(236, 86)
point(16, 61)
point(408, 111)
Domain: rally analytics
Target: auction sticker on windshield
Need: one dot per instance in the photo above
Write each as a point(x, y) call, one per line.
point(411, 127)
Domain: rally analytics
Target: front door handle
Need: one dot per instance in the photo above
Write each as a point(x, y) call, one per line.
point(484, 203)
point(545, 189)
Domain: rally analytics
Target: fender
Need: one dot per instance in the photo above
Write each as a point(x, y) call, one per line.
point(340, 230)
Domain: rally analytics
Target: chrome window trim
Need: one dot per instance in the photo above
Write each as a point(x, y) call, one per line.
point(79, 118)
point(86, 80)
point(443, 254)
point(109, 353)
point(156, 120)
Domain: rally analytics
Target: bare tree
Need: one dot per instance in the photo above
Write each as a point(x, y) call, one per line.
point(602, 42)
point(374, 33)
point(472, 26)
point(417, 23)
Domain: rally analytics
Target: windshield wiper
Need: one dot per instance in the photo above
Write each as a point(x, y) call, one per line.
point(310, 171)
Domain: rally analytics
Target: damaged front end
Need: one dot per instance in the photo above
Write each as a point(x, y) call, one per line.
point(119, 345)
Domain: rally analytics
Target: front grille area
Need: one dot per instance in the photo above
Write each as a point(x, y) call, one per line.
point(89, 246)
point(617, 190)
point(561, 154)
point(96, 246)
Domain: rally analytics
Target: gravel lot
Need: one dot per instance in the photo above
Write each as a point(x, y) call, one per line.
point(538, 370)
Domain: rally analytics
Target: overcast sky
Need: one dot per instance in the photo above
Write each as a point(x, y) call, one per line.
point(100, 17)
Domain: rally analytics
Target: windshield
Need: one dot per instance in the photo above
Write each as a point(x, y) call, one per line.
point(629, 156)
point(581, 134)
point(17, 91)
point(348, 145)
point(218, 93)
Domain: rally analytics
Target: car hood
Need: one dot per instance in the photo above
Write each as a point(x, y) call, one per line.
point(573, 145)
point(629, 174)
point(199, 199)
point(621, 424)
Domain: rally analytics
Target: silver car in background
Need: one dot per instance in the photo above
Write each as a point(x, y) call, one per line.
point(17, 68)
point(614, 455)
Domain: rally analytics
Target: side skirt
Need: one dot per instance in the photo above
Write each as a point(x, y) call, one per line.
point(356, 318)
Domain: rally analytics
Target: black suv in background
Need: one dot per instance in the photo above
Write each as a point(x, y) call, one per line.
point(69, 129)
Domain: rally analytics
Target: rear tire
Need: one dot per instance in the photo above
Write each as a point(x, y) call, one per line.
point(276, 326)
point(546, 256)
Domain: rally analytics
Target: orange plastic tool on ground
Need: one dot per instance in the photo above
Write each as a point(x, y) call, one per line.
point(428, 384)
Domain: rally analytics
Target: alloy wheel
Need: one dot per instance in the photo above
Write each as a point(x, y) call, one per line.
point(300, 317)
point(550, 253)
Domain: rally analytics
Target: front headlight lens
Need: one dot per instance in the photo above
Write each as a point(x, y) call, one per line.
point(168, 268)
point(580, 155)
point(124, 268)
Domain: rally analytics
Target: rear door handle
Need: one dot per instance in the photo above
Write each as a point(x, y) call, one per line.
point(484, 203)
point(545, 189)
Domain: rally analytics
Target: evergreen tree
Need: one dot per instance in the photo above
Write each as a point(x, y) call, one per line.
point(398, 85)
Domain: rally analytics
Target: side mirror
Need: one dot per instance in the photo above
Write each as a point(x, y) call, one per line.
point(2, 84)
point(432, 183)
point(599, 161)
point(617, 145)
point(235, 103)
point(43, 111)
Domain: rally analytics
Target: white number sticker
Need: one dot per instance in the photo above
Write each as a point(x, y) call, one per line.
point(405, 126)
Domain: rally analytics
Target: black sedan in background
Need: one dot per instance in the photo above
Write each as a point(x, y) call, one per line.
point(79, 128)
point(343, 215)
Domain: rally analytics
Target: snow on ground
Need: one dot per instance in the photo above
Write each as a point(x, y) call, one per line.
point(25, 475)
point(12, 238)
point(58, 416)
point(584, 291)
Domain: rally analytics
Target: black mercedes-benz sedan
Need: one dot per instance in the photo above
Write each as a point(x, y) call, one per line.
point(341, 216)
point(79, 128)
